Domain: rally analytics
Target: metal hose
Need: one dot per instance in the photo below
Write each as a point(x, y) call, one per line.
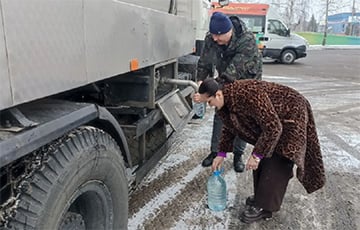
point(181, 82)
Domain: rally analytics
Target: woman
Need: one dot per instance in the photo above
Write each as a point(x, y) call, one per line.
point(278, 122)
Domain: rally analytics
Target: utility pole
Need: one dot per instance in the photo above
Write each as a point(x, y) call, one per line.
point(352, 18)
point(326, 22)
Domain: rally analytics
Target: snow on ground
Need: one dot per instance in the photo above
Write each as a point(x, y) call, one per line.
point(333, 207)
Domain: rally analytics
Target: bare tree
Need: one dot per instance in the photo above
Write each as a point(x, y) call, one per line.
point(294, 12)
point(333, 6)
point(304, 14)
point(289, 13)
point(326, 22)
point(352, 18)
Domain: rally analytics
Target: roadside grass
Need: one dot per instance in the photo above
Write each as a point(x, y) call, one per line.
point(331, 39)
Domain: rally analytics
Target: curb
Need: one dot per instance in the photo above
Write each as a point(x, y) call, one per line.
point(333, 47)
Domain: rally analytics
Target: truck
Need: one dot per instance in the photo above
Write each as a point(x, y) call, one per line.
point(92, 95)
point(275, 39)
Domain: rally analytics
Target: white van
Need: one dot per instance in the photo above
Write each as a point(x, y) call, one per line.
point(274, 37)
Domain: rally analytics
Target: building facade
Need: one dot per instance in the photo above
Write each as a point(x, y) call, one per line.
point(344, 23)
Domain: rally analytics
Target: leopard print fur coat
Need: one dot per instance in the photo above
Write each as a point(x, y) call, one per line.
point(275, 119)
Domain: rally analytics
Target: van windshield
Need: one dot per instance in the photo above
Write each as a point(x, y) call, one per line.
point(277, 27)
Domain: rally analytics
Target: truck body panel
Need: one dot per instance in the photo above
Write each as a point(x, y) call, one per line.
point(85, 41)
point(5, 90)
point(45, 46)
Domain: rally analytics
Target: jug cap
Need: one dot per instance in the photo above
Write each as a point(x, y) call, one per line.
point(217, 172)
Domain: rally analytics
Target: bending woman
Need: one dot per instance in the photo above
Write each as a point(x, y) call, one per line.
point(278, 121)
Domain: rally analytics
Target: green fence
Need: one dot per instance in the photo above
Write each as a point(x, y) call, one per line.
point(317, 39)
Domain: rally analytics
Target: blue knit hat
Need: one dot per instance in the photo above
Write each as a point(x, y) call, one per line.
point(219, 23)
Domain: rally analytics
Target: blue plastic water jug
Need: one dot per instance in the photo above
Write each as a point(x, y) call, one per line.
point(216, 188)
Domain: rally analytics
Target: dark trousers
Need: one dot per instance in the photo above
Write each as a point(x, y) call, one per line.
point(239, 145)
point(271, 180)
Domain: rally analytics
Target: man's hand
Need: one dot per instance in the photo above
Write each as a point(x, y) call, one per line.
point(217, 163)
point(196, 97)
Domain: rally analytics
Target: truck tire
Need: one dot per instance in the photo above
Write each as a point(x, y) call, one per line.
point(288, 57)
point(81, 184)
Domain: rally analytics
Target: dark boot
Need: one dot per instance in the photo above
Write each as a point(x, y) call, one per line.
point(209, 159)
point(253, 214)
point(250, 201)
point(239, 165)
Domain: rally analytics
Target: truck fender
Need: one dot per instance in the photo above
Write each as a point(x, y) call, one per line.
point(114, 130)
point(61, 118)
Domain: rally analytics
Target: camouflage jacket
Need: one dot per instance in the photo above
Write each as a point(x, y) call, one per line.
point(241, 59)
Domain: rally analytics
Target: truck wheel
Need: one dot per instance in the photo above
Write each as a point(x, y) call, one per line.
point(288, 57)
point(81, 184)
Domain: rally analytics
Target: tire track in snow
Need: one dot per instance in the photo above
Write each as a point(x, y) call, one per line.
point(179, 198)
point(173, 175)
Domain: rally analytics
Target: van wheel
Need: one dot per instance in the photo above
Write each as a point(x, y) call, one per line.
point(80, 184)
point(288, 57)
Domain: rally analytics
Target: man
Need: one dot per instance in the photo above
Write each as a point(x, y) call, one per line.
point(232, 50)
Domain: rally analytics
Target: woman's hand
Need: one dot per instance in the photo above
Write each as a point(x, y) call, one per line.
point(252, 163)
point(217, 163)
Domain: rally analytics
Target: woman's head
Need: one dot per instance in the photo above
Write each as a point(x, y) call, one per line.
point(211, 92)
point(209, 86)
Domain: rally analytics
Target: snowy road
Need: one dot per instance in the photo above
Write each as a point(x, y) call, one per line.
point(173, 196)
